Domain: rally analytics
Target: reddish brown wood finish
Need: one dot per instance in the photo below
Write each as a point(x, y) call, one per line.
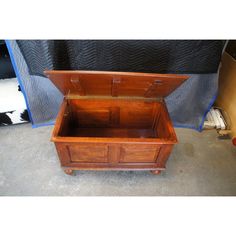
point(115, 132)
point(68, 171)
point(115, 83)
point(155, 172)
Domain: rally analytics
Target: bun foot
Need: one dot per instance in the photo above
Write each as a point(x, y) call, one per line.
point(155, 172)
point(68, 171)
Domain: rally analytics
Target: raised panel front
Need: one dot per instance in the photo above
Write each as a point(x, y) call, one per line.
point(138, 153)
point(88, 153)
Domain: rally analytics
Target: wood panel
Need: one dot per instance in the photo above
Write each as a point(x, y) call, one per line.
point(164, 154)
point(138, 153)
point(123, 113)
point(97, 117)
point(164, 125)
point(93, 117)
point(115, 83)
point(88, 153)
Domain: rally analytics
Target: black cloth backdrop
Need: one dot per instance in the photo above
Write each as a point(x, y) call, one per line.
point(159, 56)
point(187, 105)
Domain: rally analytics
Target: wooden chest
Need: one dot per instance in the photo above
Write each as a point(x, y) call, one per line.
point(114, 120)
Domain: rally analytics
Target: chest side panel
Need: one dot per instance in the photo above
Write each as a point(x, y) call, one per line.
point(88, 153)
point(136, 153)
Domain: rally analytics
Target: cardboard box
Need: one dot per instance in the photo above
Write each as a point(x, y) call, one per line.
point(227, 90)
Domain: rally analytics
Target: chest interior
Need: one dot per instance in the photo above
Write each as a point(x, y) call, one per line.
point(114, 105)
point(114, 118)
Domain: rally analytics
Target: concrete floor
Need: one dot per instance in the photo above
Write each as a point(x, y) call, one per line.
point(199, 165)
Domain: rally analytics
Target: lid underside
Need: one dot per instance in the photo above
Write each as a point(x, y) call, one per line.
point(104, 83)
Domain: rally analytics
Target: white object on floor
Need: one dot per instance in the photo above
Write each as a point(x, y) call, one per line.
point(220, 119)
point(214, 116)
point(209, 122)
point(214, 119)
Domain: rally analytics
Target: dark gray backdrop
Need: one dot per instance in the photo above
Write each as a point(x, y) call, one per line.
point(187, 105)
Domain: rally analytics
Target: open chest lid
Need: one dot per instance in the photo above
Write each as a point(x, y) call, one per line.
point(107, 83)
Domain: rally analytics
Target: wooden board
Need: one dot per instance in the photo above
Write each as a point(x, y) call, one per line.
point(102, 83)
